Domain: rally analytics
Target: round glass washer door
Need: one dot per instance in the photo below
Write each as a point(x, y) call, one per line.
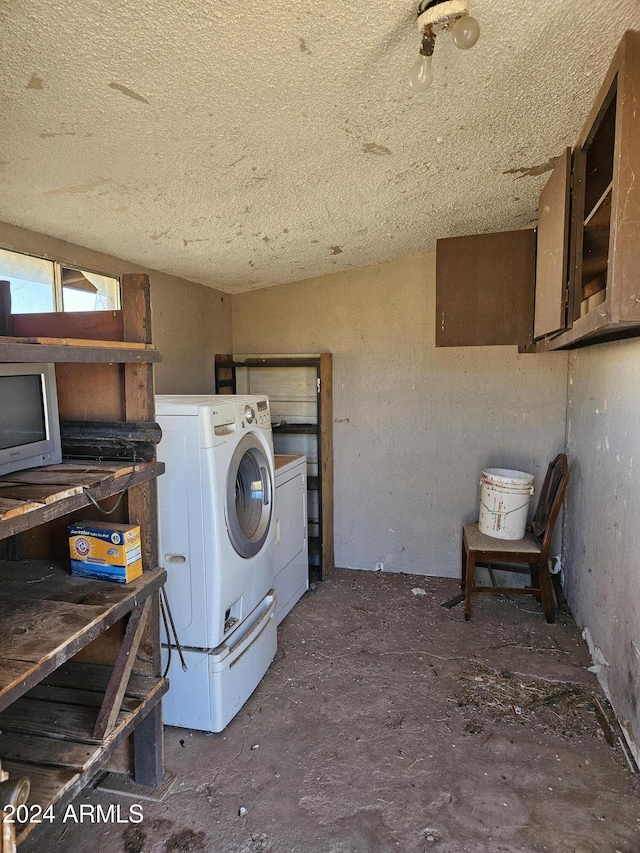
point(249, 497)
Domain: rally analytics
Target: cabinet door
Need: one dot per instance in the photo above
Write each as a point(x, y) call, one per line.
point(485, 289)
point(552, 250)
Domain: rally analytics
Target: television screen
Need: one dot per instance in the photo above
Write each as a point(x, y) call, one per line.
point(22, 412)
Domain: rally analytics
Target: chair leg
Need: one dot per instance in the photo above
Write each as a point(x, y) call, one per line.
point(463, 574)
point(469, 570)
point(545, 589)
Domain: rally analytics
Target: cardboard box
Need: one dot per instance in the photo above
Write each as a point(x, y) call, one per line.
point(101, 549)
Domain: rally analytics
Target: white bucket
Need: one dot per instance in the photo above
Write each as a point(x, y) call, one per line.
point(505, 496)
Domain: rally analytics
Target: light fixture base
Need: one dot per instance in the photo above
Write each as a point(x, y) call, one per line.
point(441, 13)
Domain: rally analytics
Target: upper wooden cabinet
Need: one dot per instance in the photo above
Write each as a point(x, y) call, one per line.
point(587, 266)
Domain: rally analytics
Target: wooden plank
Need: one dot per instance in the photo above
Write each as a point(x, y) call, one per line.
point(12, 672)
point(68, 342)
point(104, 489)
point(34, 630)
point(90, 391)
point(485, 289)
point(117, 469)
point(63, 353)
point(45, 751)
point(53, 719)
point(552, 250)
point(139, 395)
point(38, 493)
point(77, 696)
point(43, 477)
point(96, 677)
point(96, 325)
point(47, 783)
point(10, 507)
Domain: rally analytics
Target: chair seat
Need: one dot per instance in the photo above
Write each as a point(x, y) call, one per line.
point(478, 541)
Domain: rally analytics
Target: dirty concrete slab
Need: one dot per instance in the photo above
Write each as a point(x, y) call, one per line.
point(388, 723)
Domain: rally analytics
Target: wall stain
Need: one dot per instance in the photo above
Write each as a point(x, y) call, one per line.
point(533, 171)
point(374, 148)
point(35, 83)
point(303, 46)
point(335, 250)
point(128, 92)
point(79, 188)
point(51, 134)
point(160, 235)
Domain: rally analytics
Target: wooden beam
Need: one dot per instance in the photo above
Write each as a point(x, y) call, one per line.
point(122, 670)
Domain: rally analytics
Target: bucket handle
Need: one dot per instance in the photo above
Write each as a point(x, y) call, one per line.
point(502, 512)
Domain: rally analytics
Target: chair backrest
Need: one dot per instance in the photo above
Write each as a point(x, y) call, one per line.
point(550, 500)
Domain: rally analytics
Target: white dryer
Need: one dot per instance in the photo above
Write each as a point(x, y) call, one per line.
point(217, 530)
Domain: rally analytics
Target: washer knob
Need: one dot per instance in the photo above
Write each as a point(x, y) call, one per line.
point(249, 414)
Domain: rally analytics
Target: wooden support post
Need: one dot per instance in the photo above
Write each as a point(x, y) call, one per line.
point(148, 747)
point(148, 750)
point(6, 323)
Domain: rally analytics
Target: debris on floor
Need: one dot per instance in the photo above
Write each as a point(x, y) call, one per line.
point(386, 722)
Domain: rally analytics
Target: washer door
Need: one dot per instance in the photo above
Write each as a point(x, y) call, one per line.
point(249, 497)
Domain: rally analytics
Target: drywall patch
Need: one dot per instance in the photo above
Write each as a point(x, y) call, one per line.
point(533, 171)
point(128, 92)
point(35, 83)
point(374, 148)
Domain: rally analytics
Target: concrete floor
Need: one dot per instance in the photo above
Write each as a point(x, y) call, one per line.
point(388, 723)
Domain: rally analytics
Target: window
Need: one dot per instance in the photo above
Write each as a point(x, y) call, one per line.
point(37, 286)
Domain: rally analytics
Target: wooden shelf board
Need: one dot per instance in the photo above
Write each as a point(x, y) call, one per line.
point(601, 203)
point(75, 350)
point(47, 615)
point(74, 482)
point(54, 747)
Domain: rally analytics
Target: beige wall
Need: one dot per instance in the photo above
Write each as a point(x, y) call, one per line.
point(413, 425)
point(191, 323)
point(602, 541)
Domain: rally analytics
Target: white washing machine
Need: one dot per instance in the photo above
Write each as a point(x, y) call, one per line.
point(217, 537)
point(217, 531)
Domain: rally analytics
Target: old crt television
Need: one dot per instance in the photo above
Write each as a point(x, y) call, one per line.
point(29, 421)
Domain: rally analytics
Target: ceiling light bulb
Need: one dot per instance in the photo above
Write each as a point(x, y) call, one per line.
point(465, 32)
point(421, 73)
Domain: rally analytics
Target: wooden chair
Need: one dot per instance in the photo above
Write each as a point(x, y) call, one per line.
point(532, 551)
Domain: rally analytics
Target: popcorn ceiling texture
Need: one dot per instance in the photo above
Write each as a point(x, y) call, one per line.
point(246, 145)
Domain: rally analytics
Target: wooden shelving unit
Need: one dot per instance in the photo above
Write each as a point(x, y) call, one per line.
point(71, 694)
point(299, 388)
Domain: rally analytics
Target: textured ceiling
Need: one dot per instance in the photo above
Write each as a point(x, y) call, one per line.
point(243, 145)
